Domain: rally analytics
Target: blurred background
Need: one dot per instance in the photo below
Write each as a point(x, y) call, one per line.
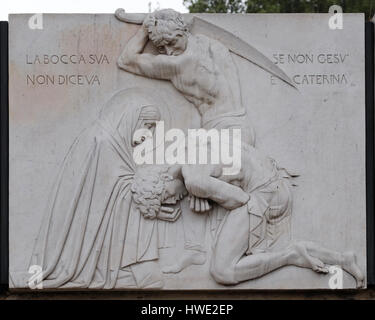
point(280, 6)
point(194, 6)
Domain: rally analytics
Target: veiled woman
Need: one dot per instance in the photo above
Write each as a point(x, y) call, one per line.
point(89, 232)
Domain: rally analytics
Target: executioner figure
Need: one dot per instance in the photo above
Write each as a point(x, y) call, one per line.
point(202, 69)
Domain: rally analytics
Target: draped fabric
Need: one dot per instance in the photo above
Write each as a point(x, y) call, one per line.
point(90, 229)
point(237, 119)
point(269, 223)
point(225, 120)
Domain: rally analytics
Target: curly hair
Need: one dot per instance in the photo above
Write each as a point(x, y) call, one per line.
point(164, 25)
point(148, 187)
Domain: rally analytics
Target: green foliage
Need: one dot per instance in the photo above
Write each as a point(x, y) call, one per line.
point(215, 6)
point(279, 6)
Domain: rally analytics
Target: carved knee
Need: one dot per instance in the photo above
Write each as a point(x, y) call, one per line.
point(222, 274)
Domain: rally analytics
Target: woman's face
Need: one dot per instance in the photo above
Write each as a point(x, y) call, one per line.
point(145, 129)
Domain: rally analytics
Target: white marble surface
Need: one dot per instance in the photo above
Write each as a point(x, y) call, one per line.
point(317, 131)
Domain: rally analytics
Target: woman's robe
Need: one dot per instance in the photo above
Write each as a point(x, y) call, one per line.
point(91, 229)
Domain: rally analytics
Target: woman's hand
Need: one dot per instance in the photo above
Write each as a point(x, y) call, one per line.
point(168, 213)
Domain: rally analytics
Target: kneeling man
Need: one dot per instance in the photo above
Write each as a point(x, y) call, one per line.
point(253, 239)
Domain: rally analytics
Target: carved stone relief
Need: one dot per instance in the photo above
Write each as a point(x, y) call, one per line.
point(112, 223)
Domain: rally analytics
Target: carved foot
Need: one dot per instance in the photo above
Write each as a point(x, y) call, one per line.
point(300, 258)
point(190, 257)
point(350, 266)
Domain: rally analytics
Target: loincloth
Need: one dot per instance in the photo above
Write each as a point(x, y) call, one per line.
point(233, 119)
point(236, 119)
point(270, 208)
